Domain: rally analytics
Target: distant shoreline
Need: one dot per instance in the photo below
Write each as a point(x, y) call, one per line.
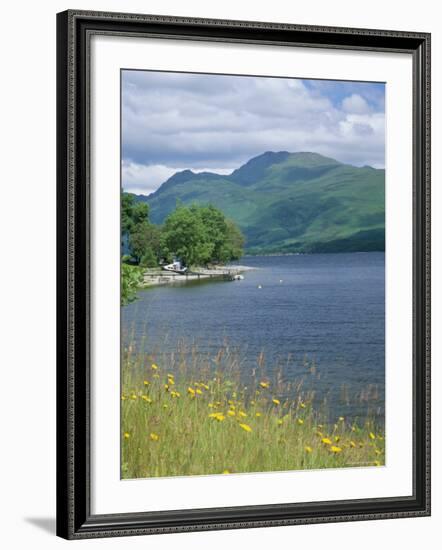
point(269, 254)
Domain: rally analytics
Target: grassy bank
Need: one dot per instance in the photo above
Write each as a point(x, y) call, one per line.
point(193, 416)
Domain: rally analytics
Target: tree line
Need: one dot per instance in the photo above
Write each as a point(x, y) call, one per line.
point(196, 234)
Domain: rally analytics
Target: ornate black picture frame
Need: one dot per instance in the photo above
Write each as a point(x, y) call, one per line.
point(74, 31)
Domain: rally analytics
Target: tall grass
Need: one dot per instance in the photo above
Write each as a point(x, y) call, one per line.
point(192, 414)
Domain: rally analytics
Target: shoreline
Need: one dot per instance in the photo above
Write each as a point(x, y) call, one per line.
point(155, 277)
point(271, 254)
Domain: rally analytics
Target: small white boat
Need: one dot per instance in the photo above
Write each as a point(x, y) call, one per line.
point(238, 278)
point(176, 267)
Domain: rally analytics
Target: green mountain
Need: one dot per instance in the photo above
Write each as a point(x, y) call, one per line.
point(288, 202)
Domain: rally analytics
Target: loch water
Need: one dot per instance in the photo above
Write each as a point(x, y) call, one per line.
point(325, 310)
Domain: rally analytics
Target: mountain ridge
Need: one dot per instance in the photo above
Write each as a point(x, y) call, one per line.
point(288, 202)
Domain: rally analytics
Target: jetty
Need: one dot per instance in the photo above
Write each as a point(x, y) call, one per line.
point(155, 277)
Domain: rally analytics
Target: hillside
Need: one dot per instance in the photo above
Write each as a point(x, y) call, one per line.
point(288, 202)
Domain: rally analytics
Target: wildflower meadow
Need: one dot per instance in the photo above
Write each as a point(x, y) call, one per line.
point(187, 416)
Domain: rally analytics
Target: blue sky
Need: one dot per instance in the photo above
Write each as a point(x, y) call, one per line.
point(177, 121)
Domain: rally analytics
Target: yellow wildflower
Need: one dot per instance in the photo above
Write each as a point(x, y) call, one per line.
point(300, 421)
point(377, 451)
point(276, 401)
point(308, 449)
point(341, 419)
point(165, 406)
point(337, 438)
point(154, 367)
point(377, 463)
point(205, 386)
point(191, 391)
point(146, 398)
point(231, 413)
point(217, 416)
point(242, 413)
point(264, 385)
point(371, 435)
point(335, 449)
point(169, 375)
point(326, 441)
point(246, 427)
point(134, 396)
point(126, 435)
point(123, 398)
point(146, 382)
point(302, 405)
point(352, 444)
point(258, 414)
point(154, 437)
point(279, 421)
point(166, 387)
point(199, 392)
point(226, 472)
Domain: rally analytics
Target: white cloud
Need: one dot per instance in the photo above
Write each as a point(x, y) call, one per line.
point(355, 104)
point(142, 179)
point(145, 179)
point(174, 121)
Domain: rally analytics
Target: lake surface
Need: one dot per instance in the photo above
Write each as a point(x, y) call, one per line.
point(321, 309)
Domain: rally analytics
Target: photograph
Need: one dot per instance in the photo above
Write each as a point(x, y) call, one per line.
point(252, 274)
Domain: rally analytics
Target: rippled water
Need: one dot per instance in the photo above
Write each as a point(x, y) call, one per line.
point(327, 309)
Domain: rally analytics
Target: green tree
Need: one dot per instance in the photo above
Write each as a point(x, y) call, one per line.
point(131, 279)
point(132, 213)
point(127, 202)
point(201, 234)
point(137, 234)
point(185, 236)
point(233, 246)
point(149, 259)
point(215, 226)
point(144, 242)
